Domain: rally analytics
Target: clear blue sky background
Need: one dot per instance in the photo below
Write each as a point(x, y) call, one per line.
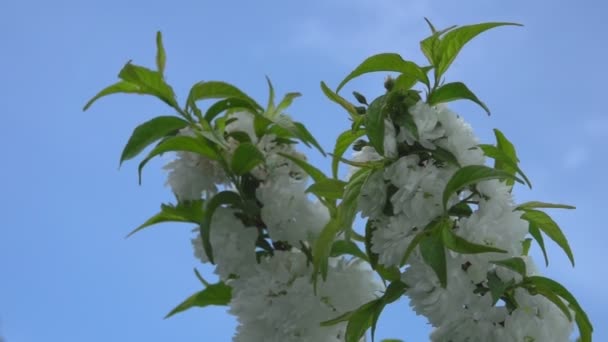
point(66, 271)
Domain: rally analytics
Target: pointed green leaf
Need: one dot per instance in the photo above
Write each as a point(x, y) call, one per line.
point(460, 245)
point(504, 162)
point(121, 87)
point(549, 227)
point(341, 247)
point(349, 107)
point(497, 286)
point(453, 41)
point(191, 211)
point(161, 56)
point(454, 91)
point(270, 106)
point(302, 133)
point(231, 103)
point(245, 158)
point(227, 197)
point(536, 234)
point(179, 143)
point(537, 204)
point(218, 90)
point(149, 132)
point(343, 141)
point(430, 45)
point(374, 124)
point(360, 321)
point(322, 247)
point(214, 294)
point(433, 253)
point(386, 62)
point(316, 174)
point(150, 82)
point(516, 264)
point(470, 175)
point(329, 188)
point(286, 102)
point(555, 299)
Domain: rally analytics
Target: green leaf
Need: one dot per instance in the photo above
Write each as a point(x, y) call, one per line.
point(374, 125)
point(470, 175)
point(404, 82)
point(161, 56)
point(331, 189)
point(549, 227)
point(245, 158)
point(341, 247)
point(497, 286)
point(149, 132)
point(343, 141)
point(270, 106)
point(555, 299)
point(218, 90)
point(453, 41)
point(460, 245)
point(386, 62)
point(504, 162)
point(316, 174)
point(430, 45)
point(582, 320)
point(537, 204)
point(460, 209)
point(414, 243)
point(516, 264)
point(150, 82)
point(454, 91)
point(360, 321)
point(344, 218)
point(286, 102)
point(180, 143)
point(535, 232)
point(233, 103)
point(526, 244)
point(214, 294)
point(433, 253)
point(504, 145)
point(444, 155)
point(191, 211)
point(349, 107)
point(223, 198)
point(304, 135)
point(393, 292)
point(121, 87)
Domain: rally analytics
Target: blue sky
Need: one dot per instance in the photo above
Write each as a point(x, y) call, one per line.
point(66, 271)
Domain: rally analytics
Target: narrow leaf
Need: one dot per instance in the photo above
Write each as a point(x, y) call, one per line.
point(329, 188)
point(374, 124)
point(516, 264)
point(537, 204)
point(433, 254)
point(454, 91)
point(549, 227)
point(149, 132)
point(218, 90)
point(460, 245)
point(386, 62)
point(341, 247)
point(343, 141)
point(470, 175)
point(161, 56)
point(349, 107)
point(504, 162)
point(149, 81)
point(121, 87)
point(191, 211)
point(179, 143)
point(453, 41)
point(536, 234)
point(223, 198)
point(232, 103)
point(214, 294)
point(245, 158)
point(316, 174)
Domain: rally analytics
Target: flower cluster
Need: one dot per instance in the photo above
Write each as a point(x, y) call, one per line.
point(405, 197)
point(272, 294)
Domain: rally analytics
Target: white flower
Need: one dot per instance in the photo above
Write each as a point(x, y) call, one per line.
point(459, 138)
point(390, 139)
point(426, 119)
point(279, 304)
point(288, 213)
point(233, 244)
point(391, 239)
point(192, 176)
